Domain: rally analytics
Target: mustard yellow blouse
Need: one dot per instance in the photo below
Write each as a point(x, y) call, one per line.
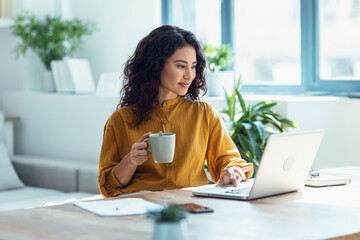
point(200, 135)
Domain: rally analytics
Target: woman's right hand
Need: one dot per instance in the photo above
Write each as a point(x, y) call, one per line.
point(138, 155)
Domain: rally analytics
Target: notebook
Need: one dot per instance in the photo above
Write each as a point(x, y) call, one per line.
point(326, 181)
point(284, 168)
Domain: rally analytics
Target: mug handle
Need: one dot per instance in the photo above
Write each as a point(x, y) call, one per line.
point(148, 148)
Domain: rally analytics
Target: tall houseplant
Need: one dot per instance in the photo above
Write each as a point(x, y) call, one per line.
point(50, 38)
point(219, 60)
point(250, 126)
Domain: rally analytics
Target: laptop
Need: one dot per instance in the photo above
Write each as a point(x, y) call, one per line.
point(284, 167)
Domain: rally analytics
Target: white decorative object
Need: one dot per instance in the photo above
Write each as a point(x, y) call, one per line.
point(48, 84)
point(81, 75)
point(110, 83)
point(62, 78)
point(218, 81)
point(170, 230)
point(73, 75)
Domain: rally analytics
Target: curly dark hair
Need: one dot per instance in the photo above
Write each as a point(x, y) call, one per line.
point(142, 70)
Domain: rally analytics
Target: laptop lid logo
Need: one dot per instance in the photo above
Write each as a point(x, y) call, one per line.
point(289, 162)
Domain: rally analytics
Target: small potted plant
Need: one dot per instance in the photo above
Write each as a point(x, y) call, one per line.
point(169, 222)
point(220, 77)
point(50, 38)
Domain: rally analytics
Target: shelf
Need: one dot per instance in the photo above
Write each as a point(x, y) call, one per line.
point(5, 23)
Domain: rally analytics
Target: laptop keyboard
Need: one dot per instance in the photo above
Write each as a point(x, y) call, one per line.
point(242, 191)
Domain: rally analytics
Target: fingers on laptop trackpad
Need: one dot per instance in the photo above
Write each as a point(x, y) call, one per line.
point(246, 184)
point(242, 191)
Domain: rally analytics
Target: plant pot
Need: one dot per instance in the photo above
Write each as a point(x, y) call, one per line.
point(170, 230)
point(218, 81)
point(48, 84)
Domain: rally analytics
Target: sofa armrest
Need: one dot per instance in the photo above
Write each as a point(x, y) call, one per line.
point(9, 133)
point(88, 176)
point(47, 172)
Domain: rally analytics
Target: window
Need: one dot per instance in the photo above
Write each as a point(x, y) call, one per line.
point(281, 46)
point(267, 41)
point(338, 40)
point(202, 17)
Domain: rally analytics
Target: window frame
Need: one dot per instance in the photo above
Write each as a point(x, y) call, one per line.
point(310, 78)
point(310, 55)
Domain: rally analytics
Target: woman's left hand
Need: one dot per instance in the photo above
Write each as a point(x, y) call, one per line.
point(232, 175)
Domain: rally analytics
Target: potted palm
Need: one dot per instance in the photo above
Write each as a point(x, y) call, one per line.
point(50, 38)
point(169, 222)
point(250, 126)
point(219, 60)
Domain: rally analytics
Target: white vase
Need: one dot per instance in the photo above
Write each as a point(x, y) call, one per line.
point(48, 84)
point(218, 81)
point(170, 230)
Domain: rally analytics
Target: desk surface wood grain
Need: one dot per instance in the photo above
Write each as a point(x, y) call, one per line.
point(311, 213)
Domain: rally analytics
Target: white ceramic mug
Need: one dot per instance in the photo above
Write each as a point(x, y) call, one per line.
point(162, 147)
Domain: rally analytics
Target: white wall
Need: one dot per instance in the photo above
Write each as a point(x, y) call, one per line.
point(121, 25)
point(338, 116)
point(22, 74)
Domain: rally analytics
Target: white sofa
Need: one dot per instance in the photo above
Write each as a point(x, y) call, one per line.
point(29, 181)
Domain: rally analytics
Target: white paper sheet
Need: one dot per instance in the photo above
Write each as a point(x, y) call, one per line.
point(118, 207)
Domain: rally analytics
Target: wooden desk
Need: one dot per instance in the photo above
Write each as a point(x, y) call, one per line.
point(312, 213)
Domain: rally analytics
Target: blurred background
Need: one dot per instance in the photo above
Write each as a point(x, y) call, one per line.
point(301, 53)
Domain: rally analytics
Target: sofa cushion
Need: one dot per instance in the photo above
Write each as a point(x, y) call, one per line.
point(46, 197)
point(26, 192)
point(8, 176)
point(47, 172)
point(88, 176)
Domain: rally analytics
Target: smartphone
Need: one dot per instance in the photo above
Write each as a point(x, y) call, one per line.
point(196, 208)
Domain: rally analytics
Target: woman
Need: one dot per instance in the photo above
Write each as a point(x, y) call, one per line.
point(163, 80)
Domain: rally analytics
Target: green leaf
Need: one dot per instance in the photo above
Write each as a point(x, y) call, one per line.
point(241, 100)
point(232, 106)
point(227, 98)
point(289, 123)
point(250, 133)
point(225, 111)
point(218, 58)
point(246, 114)
point(254, 139)
point(264, 105)
point(246, 146)
point(260, 129)
point(246, 156)
point(269, 119)
point(238, 83)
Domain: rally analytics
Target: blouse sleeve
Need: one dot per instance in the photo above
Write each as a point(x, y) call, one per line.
point(222, 152)
point(109, 158)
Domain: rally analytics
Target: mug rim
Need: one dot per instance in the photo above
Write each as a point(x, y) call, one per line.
point(163, 135)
